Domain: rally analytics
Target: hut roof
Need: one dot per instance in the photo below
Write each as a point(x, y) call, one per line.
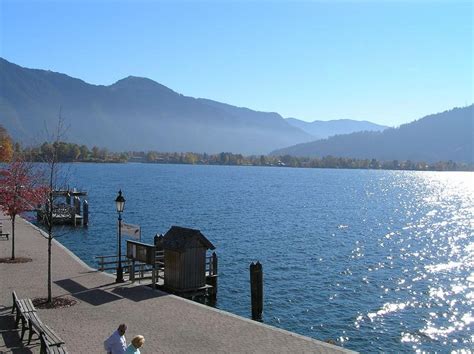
point(181, 238)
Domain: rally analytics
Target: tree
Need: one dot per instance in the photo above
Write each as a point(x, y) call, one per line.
point(103, 153)
point(6, 146)
point(84, 152)
point(52, 173)
point(95, 152)
point(75, 152)
point(20, 190)
point(151, 156)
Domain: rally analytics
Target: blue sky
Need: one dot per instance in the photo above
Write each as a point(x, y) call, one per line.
point(389, 62)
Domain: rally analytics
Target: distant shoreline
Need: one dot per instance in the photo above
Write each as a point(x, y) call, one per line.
point(467, 169)
point(70, 152)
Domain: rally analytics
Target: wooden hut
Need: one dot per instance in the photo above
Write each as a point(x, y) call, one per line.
point(185, 258)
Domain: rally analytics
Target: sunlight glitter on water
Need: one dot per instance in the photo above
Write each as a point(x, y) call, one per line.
point(447, 227)
point(436, 244)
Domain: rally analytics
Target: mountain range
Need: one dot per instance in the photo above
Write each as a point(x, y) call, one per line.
point(324, 129)
point(438, 137)
point(138, 114)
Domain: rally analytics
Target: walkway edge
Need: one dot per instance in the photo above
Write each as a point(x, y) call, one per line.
point(67, 250)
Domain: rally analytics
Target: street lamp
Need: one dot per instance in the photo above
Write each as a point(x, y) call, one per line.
point(119, 204)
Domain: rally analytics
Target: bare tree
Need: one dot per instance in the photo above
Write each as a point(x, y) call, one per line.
point(53, 177)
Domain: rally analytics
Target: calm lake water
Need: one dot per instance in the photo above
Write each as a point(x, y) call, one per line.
point(376, 260)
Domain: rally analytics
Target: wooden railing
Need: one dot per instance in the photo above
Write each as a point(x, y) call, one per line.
point(111, 262)
point(138, 270)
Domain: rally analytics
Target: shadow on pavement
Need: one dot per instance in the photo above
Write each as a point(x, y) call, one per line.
point(10, 335)
point(138, 293)
point(95, 297)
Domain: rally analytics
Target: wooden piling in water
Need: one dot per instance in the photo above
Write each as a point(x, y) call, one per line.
point(85, 212)
point(212, 279)
point(68, 198)
point(256, 290)
point(77, 205)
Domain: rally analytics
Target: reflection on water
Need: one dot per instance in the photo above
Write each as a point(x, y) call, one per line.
point(436, 247)
point(376, 260)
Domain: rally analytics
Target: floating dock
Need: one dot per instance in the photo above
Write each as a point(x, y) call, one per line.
point(69, 208)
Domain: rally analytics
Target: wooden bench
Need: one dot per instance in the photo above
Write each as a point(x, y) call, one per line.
point(50, 341)
point(26, 312)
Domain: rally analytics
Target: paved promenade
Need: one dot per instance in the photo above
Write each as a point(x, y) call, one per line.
point(170, 324)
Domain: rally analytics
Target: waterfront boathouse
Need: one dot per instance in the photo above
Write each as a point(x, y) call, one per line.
point(185, 259)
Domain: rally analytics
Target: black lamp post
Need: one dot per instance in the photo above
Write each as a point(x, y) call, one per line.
point(120, 204)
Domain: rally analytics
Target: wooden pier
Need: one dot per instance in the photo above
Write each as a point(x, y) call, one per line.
point(66, 209)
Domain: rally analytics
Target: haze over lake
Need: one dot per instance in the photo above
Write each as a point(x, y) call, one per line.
point(376, 260)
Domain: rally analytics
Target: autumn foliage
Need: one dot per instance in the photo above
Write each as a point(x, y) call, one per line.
point(20, 190)
point(6, 146)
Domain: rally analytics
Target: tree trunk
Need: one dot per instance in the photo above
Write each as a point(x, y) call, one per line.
point(13, 236)
point(50, 239)
point(49, 270)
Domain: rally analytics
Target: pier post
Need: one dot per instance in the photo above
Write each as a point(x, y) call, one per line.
point(85, 212)
point(131, 272)
point(77, 205)
point(153, 270)
point(68, 199)
point(256, 290)
point(214, 263)
point(158, 242)
point(153, 276)
point(212, 279)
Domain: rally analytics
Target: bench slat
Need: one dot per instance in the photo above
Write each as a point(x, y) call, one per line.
point(26, 305)
point(40, 328)
point(51, 349)
point(52, 337)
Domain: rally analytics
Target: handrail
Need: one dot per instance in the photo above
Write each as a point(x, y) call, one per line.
point(106, 256)
point(101, 262)
point(110, 262)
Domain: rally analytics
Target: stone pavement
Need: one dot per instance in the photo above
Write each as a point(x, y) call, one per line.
point(169, 324)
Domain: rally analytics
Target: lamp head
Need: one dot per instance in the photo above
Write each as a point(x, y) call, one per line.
point(120, 202)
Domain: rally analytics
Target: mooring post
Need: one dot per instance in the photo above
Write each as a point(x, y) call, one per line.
point(68, 198)
point(213, 278)
point(77, 205)
point(256, 290)
point(85, 212)
point(214, 263)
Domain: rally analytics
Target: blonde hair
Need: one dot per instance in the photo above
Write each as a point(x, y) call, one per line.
point(138, 341)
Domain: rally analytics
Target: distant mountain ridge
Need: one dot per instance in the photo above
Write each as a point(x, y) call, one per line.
point(438, 137)
point(134, 114)
point(324, 129)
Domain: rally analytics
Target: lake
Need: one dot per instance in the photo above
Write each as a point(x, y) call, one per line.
point(375, 260)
